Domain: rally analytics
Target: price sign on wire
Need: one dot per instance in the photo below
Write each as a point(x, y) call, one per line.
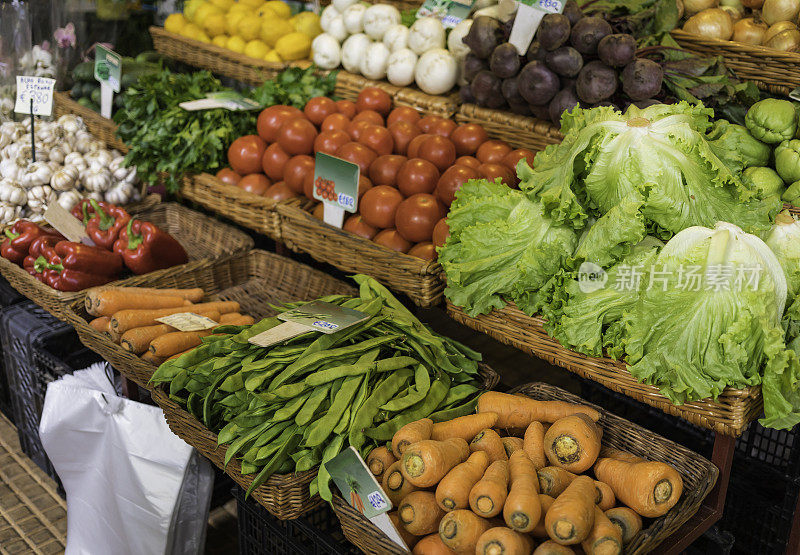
point(336, 185)
point(34, 95)
point(529, 16)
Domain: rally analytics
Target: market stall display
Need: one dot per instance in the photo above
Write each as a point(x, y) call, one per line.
point(102, 128)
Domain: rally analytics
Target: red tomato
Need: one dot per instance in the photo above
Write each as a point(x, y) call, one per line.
point(452, 180)
point(403, 113)
point(364, 184)
point(441, 231)
point(470, 161)
point(295, 170)
point(377, 138)
point(319, 108)
point(280, 191)
point(228, 176)
point(358, 154)
point(273, 161)
point(427, 123)
point(492, 152)
point(373, 98)
point(390, 239)
point(378, 206)
point(355, 128)
point(468, 138)
point(347, 107)
point(319, 211)
point(416, 142)
point(512, 158)
point(255, 183)
point(402, 134)
point(356, 224)
point(370, 116)
point(383, 171)
point(492, 171)
point(425, 251)
point(297, 136)
point(308, 186)
point(417, 176)
point(438, 150)
point(442, 127)
point(330, 141)
point(270, 120)
point(335, 122)
point(244, 154)
point(416, 217)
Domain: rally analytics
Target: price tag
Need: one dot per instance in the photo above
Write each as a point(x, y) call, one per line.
point(66, 224)
point(107, 70)
point(449, 12)
point(37, 89)
point(529, 16)
point(314, 316)
point(336, 185)
point(188, 321)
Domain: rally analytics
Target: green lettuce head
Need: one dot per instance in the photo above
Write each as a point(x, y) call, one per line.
point(765, 180)
point(787, 160)
point(772, 121)
point(784, 240)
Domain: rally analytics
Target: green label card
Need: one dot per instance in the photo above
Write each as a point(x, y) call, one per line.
point(336, 182)
point(324, 317)
point(357, 484)
point(449, 12)
point(108, 67)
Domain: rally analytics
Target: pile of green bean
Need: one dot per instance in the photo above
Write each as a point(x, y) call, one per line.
point(297, 404)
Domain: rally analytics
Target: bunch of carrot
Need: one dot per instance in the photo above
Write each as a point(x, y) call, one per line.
point(127, 316)
point(512, 476)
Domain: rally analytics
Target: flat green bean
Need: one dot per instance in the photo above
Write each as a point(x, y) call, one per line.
point(438, 391)
point(290, 409)
point(276, 462)
point(365, 413)
point(383, 365)
point(324, 477)
point(422, 379)
point(313, 402)
point(322, 428)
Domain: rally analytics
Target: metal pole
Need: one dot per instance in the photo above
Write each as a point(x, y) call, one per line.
point(33, 134)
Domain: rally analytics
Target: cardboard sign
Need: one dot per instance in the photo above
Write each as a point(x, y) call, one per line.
point(66, 224)
point(188, 321)
point(230, 100)
point(529, 15)
point(314, 316)
point(39, 90)
point(449, 12)
point(336, 185)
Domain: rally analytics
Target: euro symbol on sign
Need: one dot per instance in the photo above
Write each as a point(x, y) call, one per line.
point(591, 277)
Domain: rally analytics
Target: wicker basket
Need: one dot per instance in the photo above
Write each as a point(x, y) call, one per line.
point(241, 207)
point(348, 85)
point(518, 131)
point(102, 128)
point(699, 476)
point(420, 280)
point(730, 414)
point(203, 238)
point(772, 70)
point(214, 58)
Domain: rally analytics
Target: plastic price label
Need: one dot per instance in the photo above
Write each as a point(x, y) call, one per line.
point(336, 185)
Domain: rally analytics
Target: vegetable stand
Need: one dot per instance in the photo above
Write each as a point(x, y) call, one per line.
point(102, 128)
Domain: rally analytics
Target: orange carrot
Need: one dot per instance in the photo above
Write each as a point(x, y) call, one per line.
point(504, 540)
point(150, 357)
point(137, 340)
point(453, 491)
point(461, 529)
point(554, 480)
point(571, 517)
point(511, 444)
point(605, 496)
point(552, 548)
point(533, 444)
point(517, 411)
point(628, 521)
point(411, 433)
point(109, 301)
point(488, 440)
point(611, 453)
point(432, 545)
point(649, 488)
point(419, 513)
point(410, 539)
point(191, 295)
point(488, 495)
point(395, 485)
point(177, 341)
point(426, 462)
point(242, 320)
point(379, 460)
point(522, 508)
point(127, 319)
point(572, 443)
point(100, 324)
point(605, 537)
point(465, 427)
point(540, 531)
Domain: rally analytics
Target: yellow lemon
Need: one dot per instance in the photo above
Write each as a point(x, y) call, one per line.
point(281, 9)
point(249, 28)
point(256, 49)
point(272, 56)
point(307, 23)
point(214, 24)
point(294, 46)
point(252, 3)
point(221, 41)
point(191, 31)
point(175, 23)
point(266, 11)
point(236, 44)
point(204, 11)
point(191, 7)
point(232, 21)
point(239, 7)
point(223, 5)
point(203, 37)
point(273, 29)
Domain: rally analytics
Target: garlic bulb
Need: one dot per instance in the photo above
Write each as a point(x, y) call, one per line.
point(12, 193)
point(100, 157)
point(39, 197)
point(96, 179)
point(123, 193)
point(37, 173)
point(9, 168)
point(64, 179)
point(75, 159)
point(69, 199)
point(9, 213)
point(71, 123)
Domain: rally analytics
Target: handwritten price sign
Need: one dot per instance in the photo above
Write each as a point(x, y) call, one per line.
point(38, 89)
point(552, 6)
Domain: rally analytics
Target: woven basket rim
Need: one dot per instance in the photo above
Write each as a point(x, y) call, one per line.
point(754, 49)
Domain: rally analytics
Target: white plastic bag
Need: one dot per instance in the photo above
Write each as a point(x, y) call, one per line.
point(123, 470)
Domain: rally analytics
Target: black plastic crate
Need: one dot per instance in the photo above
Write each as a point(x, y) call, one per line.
point(713, 542)
point(8, 297)
point(37, 349)
point(317, 532)
point(778, 448)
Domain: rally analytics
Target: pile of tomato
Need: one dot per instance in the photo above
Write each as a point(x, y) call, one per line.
point(410, 165)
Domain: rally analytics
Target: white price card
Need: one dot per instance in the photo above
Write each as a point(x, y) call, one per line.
point(37, 89)
point(188, 321)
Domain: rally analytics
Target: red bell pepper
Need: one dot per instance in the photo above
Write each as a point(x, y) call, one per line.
point(41, 246)
point(145, 248)
point(74, 266)
point(18, 239)
point(105, 226)
point(84, 210)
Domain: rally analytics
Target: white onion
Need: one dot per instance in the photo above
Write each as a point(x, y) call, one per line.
point(788, 41)
point(774, 11)
point(778, 28)
point(692, 7)
point(713, 23)
point(749, 31)
point(734, 13)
